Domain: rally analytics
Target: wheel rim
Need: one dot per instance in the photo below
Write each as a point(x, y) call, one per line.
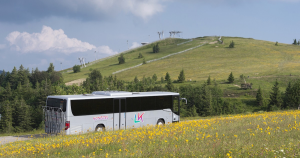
point(159, 123)
point(99, 129)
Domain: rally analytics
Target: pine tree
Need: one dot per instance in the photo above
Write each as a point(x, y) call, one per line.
point(181, 77)
point(275, 98)
point(6, 117)
point(288, 97)
point(2, 78)
point(140, 56)
point(154, 77)
point(230, 78)
point(209, 80)
point(50, 68)
point(13, 78)
point(136, 80)
point(157, 48)
point(7, 93)
point(169, 85)
point(231, 45)
point(24, 117)
point(162, 80)
point(121, 59)
point(259, 97)
point(154, 49)
point(167, 77)
point(295, 42)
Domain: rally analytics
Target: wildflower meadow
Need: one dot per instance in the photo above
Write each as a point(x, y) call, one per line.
point(272, 134)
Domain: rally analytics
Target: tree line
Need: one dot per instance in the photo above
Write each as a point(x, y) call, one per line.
point(23, 93)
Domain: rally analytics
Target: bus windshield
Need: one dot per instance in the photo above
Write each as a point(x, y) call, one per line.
point(58, 103)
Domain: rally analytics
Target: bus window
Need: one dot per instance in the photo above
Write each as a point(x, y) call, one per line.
point(164, 102)
point(58, 103)
point(91, 107)
point(176, 105)
point(148, 103)
point(133, 104)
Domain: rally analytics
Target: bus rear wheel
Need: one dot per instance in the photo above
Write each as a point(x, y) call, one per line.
point(100, 128)
point(160, 122)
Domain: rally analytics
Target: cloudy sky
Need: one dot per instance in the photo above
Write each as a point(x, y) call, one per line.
point(36, 33)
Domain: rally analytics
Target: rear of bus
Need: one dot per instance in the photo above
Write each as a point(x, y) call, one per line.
point(55, 115)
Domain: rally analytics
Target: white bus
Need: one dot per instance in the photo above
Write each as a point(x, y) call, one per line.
point(110, 110)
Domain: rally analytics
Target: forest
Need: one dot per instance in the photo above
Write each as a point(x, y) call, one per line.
point(23, 93)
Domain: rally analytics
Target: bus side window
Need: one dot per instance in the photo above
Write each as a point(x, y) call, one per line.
point(133, 104)
point(148, 103)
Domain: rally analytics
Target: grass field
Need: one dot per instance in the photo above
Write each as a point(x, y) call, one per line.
point(108, 66)
point(274, 134)
point(253, 58)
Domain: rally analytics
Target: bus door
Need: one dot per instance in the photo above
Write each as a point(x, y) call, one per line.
point(119, 114)
point(176, 108)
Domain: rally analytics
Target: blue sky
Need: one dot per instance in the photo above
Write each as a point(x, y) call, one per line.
point(35, 33)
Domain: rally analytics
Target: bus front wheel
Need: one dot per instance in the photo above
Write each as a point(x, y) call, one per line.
point(160, 122)
point(100, 128)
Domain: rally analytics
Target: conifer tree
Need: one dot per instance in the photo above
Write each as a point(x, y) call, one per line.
point(231, 45)
point(259, 97)
point(230, 78)
point(121, 59)
point(154, 49)
point(181, 77)
point(162, 80)
point(7, 93)
point(136, 80)
point(167, 77)
point(295, 42)
point(169, 85)
point(13, 78)
point(157, 48)
point(2, 78)
point(24, 118)
point(6, 117)
point(288, 97)
point(50, 68)
point(275, 98)
point(154, 77)
point(209, 80)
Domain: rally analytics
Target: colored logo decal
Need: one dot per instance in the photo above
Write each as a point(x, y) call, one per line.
point(100, 118)
point(139, 119)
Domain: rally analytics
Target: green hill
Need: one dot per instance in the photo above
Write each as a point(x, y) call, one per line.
point(110, 65)
point(261, 60)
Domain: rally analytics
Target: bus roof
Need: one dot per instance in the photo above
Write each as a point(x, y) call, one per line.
point(112, 94)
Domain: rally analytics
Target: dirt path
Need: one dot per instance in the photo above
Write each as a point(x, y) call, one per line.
point(77, 82)
point(10, 139)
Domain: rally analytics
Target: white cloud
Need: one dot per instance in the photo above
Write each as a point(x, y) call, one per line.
point(105, 50)
point(48, 40)
point(134, 45)
point(2, 46)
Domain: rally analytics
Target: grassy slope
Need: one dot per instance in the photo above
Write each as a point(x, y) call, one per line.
point(108, 66)
point(253, 58)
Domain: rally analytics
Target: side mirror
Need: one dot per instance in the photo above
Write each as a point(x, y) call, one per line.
point(184, 99)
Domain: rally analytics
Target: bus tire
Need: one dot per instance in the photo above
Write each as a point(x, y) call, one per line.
point(100, 128)
point(160, 122)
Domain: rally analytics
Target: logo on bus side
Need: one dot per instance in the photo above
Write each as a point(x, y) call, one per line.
point(100, 118)
point(139, 119)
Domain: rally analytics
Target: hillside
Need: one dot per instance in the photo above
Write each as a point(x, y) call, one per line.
point(253, 58)
point(110, 65)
